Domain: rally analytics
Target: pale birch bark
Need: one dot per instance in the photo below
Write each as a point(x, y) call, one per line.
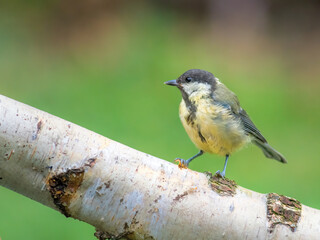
point(129, 194)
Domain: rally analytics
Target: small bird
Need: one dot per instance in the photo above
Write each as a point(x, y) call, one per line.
point(214, 120)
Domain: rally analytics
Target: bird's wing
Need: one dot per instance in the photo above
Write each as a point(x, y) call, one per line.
point(223, 96)
point(249, 127)
point(226, 98)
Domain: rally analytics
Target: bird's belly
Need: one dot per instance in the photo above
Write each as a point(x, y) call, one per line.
point(215, 132)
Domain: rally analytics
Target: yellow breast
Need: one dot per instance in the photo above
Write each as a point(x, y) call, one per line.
point(212, 128)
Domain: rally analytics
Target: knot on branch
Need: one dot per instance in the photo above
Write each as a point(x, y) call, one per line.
point(282, 210)
point(222, 186)
point(63, 186)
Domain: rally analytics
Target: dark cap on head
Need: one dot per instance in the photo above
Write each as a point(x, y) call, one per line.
point(197, 75)
point(194, 76)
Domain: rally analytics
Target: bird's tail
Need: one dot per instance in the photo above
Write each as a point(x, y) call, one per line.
point(269, 151)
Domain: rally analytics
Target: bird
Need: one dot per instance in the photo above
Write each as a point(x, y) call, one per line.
point(214, 120)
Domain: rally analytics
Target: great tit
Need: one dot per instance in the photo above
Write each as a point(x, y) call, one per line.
point(214, 120)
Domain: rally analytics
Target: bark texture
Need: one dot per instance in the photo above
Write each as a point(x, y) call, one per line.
point(128, 194)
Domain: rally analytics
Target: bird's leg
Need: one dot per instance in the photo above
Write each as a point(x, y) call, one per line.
point(223, 173)
point(185, 163)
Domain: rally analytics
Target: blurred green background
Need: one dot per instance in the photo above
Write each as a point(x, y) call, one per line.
point(101, 64)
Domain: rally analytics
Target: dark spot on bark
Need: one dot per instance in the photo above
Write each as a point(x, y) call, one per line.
point(107, 184)
point(222, 186)
point(1, 178)
point(126, 226)
point(91, 162)
point(121, 200)
point(39, 127)
point(157, 199)
point(282, 210)
point(98, 189)
point(180, 196)
point(153, 210)
point(134, 219)
point(69, 125)
point(63, 186)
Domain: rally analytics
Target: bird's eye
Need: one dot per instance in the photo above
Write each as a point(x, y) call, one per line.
point(188, 79)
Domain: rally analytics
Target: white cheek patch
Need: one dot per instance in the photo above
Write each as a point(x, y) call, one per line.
point(197, 88)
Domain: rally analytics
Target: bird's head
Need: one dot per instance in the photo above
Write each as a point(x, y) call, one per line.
point(195, 82)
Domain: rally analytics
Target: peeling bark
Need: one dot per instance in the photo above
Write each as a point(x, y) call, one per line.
point(283, 210)
point(63, 186)
point(222, 186)
point(127, 194)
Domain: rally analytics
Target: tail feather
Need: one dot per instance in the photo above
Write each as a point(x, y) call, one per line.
point(269, 151)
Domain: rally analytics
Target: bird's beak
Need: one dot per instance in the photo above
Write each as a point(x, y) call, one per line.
point(172, 83)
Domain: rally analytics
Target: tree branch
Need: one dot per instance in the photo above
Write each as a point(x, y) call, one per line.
point(129, 194)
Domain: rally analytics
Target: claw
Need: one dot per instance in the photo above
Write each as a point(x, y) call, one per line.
point(221, 174)
point(181, 163)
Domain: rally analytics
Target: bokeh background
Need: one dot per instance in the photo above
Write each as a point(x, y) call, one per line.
point(101, 64)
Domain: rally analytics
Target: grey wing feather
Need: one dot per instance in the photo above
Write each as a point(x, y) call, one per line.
point(249, 126)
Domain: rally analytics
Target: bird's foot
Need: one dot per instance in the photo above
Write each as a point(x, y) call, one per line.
point(221, 174)
point(182, 163)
